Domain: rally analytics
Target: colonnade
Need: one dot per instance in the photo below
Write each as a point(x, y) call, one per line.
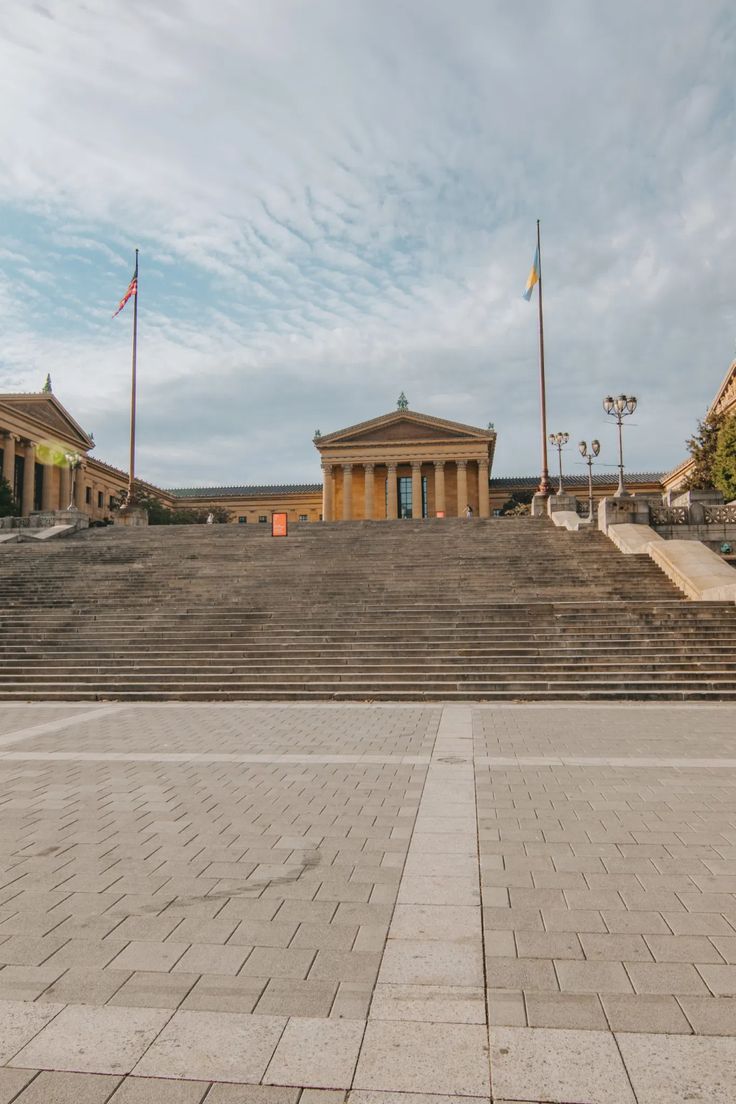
point(55, 490)
point(373, 510)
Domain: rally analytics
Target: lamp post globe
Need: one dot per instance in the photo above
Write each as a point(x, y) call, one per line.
point(559, 440)
point(619, 408)
point(588, 456)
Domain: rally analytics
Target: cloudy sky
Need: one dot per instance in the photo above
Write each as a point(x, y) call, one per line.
point(335, 200)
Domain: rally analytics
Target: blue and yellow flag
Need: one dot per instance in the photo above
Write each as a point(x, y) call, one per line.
point(533, 276)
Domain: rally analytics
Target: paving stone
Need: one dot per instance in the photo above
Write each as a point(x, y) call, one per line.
point(526, 974)
point(644, 1012)
point(252, 1094)
point(21, 950)
point(342, 966)
point(358, 1096)
point(540, 1064)
point(721, 980)
point(11, 1083)
point(80, 986)
point(70, 1088)
point(147, 1090)
point(154, 990)
point(441, 922)
point(278, 962)
point(506, 1008)
point(352, 1001)
point(431, 962)
point(592, 977)
point(19, 1022)
point(213, 1046)
point(548, 945)
point(316, 1053)
point(664, 1068)
point(149, 957)
point(202, 958)
point(429, 1003)
point(568, 1010)
point(264, 933)
point(322, 1096)
point(667, 977)
point(725, 945)
point(148, 928)
point(615, 948)
point(709, 1015)
point(422, 1057)
point(283, 997)
point(106, 1040)
point(575, 920)
point(421, 890)
point(26, 982)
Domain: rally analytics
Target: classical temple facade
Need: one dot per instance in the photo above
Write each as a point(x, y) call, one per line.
point(405, 465)
point(39, 440)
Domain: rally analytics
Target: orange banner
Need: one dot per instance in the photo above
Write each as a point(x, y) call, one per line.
point(279, 525)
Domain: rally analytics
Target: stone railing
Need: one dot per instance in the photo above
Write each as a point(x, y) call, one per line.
point(669, 515)
point(719, 515)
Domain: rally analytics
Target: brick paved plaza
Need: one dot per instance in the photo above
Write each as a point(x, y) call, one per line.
point(265, 904)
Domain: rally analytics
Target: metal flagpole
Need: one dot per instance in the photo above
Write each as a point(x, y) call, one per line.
point(131, 478)
point(545, 487)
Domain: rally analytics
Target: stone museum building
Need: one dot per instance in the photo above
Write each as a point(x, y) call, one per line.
point(403, 464)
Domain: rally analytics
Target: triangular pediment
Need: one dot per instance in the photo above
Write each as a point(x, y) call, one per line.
point(46, 412)
point(725, 400)
point(404, 425)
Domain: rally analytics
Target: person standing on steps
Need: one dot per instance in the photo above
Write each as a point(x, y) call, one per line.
point(210, 518)
point(468, 511)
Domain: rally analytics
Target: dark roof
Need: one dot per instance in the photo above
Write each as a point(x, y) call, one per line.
point(576, 480)
point(244, 491)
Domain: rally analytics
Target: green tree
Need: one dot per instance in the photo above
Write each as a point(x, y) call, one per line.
point(8, 505)
point(702, 447)
point(518, 504)
point(724, 460)
point(161, 514)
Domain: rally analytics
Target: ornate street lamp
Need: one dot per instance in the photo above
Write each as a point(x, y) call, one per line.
point(559, 440)
point(74, 460)
point(595, 448)
point(620, 408)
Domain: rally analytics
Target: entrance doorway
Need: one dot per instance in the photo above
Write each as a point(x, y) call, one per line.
point(404, 498)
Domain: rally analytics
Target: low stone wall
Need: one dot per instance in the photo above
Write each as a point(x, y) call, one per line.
point(699, 572)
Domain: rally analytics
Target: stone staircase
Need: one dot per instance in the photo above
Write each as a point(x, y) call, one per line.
point(504, 609)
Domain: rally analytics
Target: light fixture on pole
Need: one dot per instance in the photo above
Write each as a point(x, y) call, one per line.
point(558, 441)
point(74, 460)
point(620, 408)
point(595, 448)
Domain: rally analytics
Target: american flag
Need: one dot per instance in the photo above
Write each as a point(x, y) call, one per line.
point(132, 290)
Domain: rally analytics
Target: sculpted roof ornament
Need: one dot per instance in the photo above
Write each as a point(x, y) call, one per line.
point(403, 402)
point(47, 385)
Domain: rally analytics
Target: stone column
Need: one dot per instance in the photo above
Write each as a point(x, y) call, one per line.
point(9, 459)
point(64, 487)
point(328, 493)
point(439, 486)
point(484, 497)
point(392, 505)
point(462, 486)
point(47, 488)
point(347, 492)
point(416, 488)
point(369, 491)
point(29, 475)
point(80, 482)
